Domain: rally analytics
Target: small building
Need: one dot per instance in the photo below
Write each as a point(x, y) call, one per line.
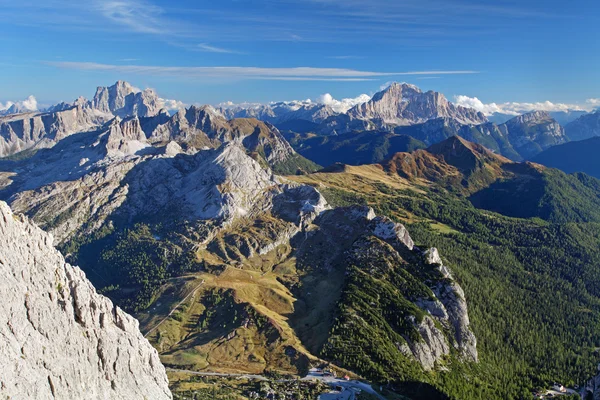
point(559, 388)
point(346, 377)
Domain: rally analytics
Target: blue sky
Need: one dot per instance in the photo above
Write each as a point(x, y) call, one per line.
point(499, 51)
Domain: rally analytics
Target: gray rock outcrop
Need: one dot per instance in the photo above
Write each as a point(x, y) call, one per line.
point(59, 339)
point(452, 298)
point(40, 130)
point(123, 100)
point(432, 347)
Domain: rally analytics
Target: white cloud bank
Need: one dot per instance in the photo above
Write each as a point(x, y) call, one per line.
point(29, 104)
point(593, 102)
point(343, 105)
point(515, 108)
point(171, 105)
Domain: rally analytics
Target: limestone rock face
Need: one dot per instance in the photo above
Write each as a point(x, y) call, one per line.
point(386, 229)
point(404, 104)
point(116, 172)
point(59, 338)
point(299, 204)
point(431, 348)
point(124, 100)
point(593, 387)
point(452, 299)
point(220, 184)
point(40, 130)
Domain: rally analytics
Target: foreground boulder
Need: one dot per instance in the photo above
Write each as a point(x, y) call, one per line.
point(58, 337)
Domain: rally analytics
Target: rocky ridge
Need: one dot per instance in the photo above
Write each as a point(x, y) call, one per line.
point(123, 100)
point(383, 250)
point(41, 130)
point(60, 338)
point(405, 104)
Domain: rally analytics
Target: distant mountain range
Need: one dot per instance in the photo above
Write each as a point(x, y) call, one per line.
point(585, 127)
point(426, 116)
point(400, 109)
point(579, 156)
point(562, 117)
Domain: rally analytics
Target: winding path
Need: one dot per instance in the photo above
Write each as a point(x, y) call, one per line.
point(173, 310)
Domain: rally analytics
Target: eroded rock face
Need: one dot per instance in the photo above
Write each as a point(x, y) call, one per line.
point(59, 338)
point(432, 347)
point(40, 130)
point(404, 104)
point(386, 229)
point(452, 298)
point(122, 100)
point(299, 204)
point(119, 179)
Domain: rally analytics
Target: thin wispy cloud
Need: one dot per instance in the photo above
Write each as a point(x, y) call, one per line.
point(213, 49)
point(245, 73)
point(408, 22)
point(135, 15)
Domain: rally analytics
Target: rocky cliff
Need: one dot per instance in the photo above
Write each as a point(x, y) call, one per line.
point(405, 104)
point(39, 130)
point(59, 339)
point(122, 100)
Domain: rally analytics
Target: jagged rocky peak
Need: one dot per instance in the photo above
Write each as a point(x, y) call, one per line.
point(206, 119)
point(125, 137)
point(61, 339)
point(405, 104)
point(299, 204)
point(122, 99)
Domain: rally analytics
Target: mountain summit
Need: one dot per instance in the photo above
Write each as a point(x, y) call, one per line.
point(405, 104)
point(122, 99)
